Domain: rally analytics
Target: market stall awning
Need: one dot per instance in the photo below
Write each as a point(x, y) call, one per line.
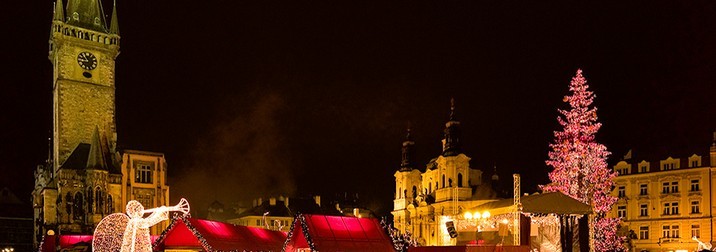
point(545, 203)
point(218, 236)
point(337, 233)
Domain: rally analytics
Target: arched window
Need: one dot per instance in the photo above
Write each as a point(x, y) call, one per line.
point(78, 211)
point(415, 192)
point(90, 201)
point(99, 203)
point(449, 182)
point(68, 205)
point(459, 180)
point(110, 206)
point(443, 181)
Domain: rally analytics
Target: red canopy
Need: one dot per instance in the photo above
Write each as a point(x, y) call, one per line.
point(218, 236)
point(338, 233)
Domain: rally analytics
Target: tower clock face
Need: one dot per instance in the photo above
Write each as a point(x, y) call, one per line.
point(87, 60)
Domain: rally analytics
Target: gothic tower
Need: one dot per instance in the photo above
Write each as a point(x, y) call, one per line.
point(83, 53)
point(81, 182)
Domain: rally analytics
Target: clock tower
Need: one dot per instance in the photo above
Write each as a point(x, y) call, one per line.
point(86, 177)
point(83, 52)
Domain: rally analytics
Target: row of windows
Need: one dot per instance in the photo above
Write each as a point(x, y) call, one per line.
point(428, 190)
point(623, 168)
point(666, 188)
point(669, 231)
point(670, 208)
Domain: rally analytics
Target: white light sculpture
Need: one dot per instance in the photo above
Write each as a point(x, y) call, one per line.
point(130, 232)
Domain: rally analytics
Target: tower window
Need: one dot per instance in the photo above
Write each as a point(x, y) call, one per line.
point(143, 173)
point(459, 180)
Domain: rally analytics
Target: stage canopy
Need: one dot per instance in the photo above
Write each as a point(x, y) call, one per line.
point(337, 233)
point(545, 203)
point(218, 236)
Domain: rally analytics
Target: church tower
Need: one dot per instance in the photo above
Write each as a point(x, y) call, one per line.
point(81, 181)
point(83, 52)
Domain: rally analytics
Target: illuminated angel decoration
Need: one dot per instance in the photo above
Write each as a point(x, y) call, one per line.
point(130, 232)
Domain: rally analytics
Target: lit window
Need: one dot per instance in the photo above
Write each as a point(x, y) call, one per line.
point(696, 230)
point(621, 211)
point(143, 173)
point(675, 187)
point(695, 206)
point(695, 185)
point(675, 231)
point(666, 231)
point(644, 232)
point(643, 189)
point(643, 210)
point(622, 191)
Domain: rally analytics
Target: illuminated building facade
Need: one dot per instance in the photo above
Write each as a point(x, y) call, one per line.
point(86, 176)
point(664, 203)
point(425, 200)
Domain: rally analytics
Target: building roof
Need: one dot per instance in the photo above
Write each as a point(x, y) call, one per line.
point(218, 236)
point(337, 233)
point(295, 206)
point(91, 156)
point(90, 14)
point(545, 203)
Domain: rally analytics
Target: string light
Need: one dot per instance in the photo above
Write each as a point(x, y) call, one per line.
point(580, 163)
point(130, 232)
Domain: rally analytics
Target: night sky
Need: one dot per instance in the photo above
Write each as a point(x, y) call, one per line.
point(258, 98)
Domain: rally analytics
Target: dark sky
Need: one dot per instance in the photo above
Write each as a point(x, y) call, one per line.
point(251, 98)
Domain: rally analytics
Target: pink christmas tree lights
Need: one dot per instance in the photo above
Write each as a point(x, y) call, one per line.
point(580, 163)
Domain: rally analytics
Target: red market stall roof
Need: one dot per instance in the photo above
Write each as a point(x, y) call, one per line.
point(337, 233)
point(218, 236)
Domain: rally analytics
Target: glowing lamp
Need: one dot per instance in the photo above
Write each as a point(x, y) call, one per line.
point(468, 215)
point(505, 221)
point(476, 215)
point(486, 215)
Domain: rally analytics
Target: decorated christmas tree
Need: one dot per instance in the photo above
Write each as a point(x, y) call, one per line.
point(580, 163)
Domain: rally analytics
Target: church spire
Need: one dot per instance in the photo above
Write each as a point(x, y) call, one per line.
point(114, 25)
point(59, 13)
point(406, 163)
point(451, 143)
point(87, 14)
point(95, 158)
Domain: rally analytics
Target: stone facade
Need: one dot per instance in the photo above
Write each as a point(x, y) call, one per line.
point(86, 177)
point(448, 186)
point(664, 203)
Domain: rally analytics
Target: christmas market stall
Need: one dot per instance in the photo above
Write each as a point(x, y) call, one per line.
point(547, 222)
point(186, 233)
point(336, 233)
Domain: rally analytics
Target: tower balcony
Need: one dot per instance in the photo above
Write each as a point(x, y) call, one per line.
point(85, 34)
